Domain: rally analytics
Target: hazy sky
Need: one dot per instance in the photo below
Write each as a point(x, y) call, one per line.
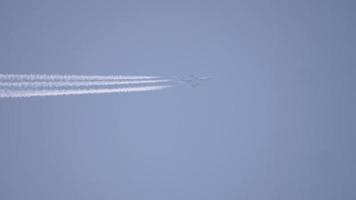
point(277, 121)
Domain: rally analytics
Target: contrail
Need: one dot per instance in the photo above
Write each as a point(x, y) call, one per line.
point(46, 77)
point(65, 92)
point(31, 85)
point(51, 84)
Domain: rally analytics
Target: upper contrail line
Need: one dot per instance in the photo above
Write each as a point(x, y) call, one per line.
point(77, 83)
point(65, 92)
point(33, 77)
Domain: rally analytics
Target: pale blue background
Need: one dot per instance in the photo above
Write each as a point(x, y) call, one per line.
point(277, 121)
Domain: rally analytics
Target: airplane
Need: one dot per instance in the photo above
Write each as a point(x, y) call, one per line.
point(192, 80)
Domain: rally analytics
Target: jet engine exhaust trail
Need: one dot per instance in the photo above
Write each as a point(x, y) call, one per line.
point(66, 92)
point(31, 85)
point(44, 77)
point(51, 84)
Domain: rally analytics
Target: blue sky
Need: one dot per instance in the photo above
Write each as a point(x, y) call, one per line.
point(277, 120)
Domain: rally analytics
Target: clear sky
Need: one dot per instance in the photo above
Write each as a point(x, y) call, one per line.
point(277, 121)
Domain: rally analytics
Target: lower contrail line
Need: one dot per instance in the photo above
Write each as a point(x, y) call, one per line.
point(65, 92)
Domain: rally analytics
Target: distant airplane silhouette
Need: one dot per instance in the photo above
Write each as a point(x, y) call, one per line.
point(193, 80)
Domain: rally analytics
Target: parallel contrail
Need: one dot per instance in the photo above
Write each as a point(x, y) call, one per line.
point(65, 92)
point(31, 85)
point(51, 84)
point(46, 77)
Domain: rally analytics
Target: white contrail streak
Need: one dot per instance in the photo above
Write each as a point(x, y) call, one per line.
point(52, 84)
point(65, 92)
point(46, 77)
point(31, 85)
